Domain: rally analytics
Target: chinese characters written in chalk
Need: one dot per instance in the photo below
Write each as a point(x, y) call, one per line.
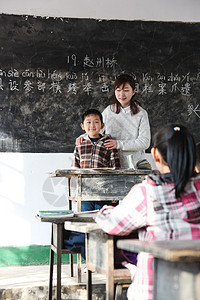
point(97, 62)
point(195, 110)
point(28, 81)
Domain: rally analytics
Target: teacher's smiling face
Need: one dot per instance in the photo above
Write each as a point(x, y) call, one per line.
point(123, 94)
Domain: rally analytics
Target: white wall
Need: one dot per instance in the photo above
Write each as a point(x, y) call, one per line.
point(25, 186)
point(157, 10)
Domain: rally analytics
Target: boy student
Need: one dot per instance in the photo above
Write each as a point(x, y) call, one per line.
point(91, 153)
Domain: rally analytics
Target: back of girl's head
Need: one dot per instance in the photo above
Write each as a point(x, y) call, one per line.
point(177, 146)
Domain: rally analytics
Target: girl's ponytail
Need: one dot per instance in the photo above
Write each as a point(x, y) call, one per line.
point(177, 147)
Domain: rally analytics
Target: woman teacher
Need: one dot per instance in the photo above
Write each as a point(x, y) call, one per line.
point(127, 122)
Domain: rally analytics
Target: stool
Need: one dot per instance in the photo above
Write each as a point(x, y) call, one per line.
point(57, 247)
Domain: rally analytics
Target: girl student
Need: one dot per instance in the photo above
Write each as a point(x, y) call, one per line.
point(162, 207)
point(127, 123)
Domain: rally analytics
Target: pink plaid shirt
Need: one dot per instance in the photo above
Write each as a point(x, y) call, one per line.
point(152, 208)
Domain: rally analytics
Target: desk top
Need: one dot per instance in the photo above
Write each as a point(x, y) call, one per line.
point(173, 250)
point(99, 171)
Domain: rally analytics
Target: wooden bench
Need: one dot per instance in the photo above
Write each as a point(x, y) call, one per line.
point(176, 267)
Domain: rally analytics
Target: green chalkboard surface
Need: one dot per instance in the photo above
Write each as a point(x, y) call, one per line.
point(53, 69)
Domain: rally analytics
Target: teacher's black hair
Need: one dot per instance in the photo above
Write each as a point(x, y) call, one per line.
point(122, 80)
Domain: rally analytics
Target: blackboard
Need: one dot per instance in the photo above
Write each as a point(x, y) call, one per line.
point(53, 69)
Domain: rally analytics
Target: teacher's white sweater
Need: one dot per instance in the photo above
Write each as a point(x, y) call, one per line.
point(132, 132)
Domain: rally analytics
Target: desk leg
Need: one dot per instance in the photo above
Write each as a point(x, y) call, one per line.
point(89, 273)
point(109, 287)
point(89, 285)
point(79, 267)
point(59, 249)
point(51, 267)
point(71, 264)
point(110, 267)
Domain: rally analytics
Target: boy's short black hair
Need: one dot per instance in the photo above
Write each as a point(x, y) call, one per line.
point(92, 111)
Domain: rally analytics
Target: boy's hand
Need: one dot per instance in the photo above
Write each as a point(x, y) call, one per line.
point(79, 140)
point(110, 144)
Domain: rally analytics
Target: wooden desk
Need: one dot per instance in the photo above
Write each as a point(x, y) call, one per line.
point(176, 267)
point(89, 185)
point(57, 227)
point(99, 253)
point(100, 258)
point(100, 184)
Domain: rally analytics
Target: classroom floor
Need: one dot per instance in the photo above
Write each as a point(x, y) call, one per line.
point(31, 283)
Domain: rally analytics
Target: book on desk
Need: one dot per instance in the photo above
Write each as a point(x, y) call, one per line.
point(65, 213)
point(55, 213)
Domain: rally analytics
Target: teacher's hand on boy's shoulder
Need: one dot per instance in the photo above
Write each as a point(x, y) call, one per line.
point(110, 144)
point(79, 140)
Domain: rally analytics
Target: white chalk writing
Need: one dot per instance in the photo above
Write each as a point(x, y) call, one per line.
point(162, 88)
point(89, 81)
point(87, 88)
point(56, 87)
point(195, 110)
point(28, 86)
point(13, 86)
point(72, 87)
point(1, 84)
